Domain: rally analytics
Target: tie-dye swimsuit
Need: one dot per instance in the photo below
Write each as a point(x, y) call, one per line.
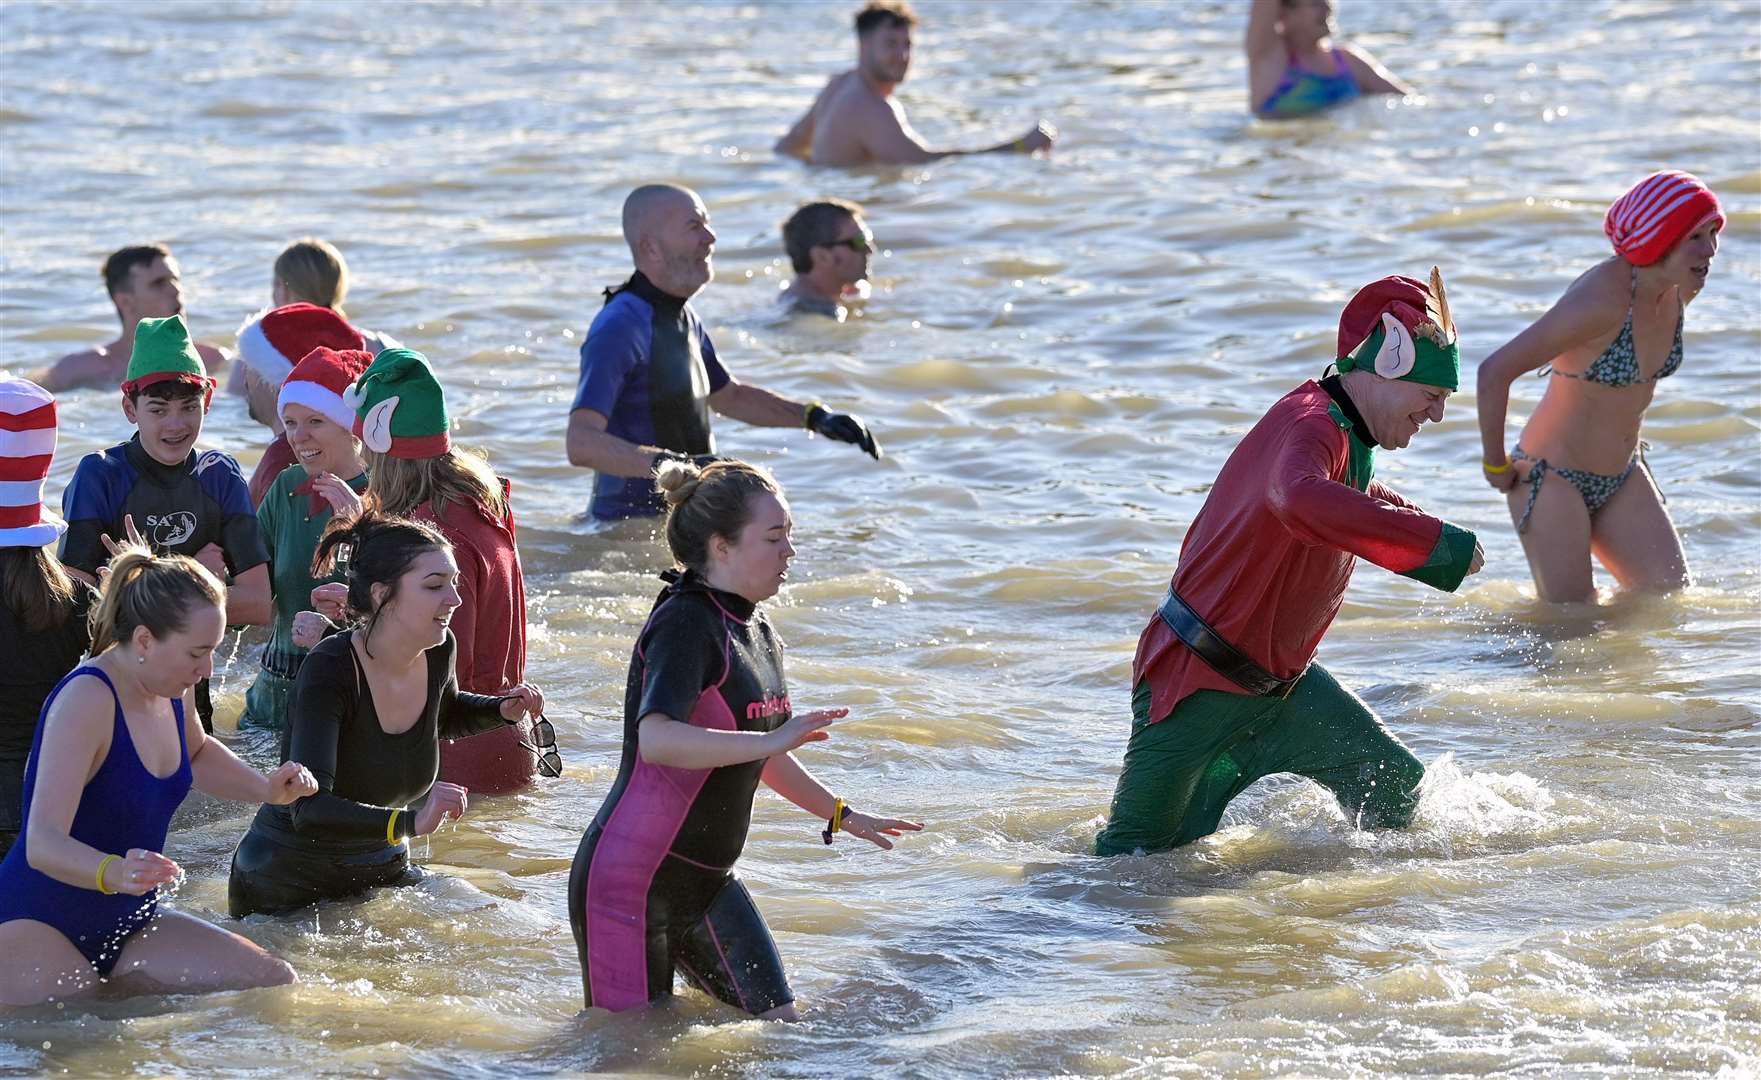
point(1303, 92)
point(1617, 366)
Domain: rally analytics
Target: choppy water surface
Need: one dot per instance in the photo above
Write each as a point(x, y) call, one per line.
point(1057, 357)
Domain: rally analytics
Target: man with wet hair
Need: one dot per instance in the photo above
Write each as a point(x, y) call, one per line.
point(649, 372)
point(829, 246)
point(144, 283)
point(857, 121)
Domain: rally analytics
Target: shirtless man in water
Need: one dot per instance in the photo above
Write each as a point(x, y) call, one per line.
point(856, 121)
point(143, 283)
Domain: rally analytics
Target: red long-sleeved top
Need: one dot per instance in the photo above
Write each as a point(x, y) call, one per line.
point(1267, 560)
point(490, 624)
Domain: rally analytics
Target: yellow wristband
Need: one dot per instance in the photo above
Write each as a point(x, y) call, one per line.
point(1496, 470)
point(836, 824)
point(391, 828)
point(103, 865)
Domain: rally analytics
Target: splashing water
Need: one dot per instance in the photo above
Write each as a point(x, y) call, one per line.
point(1459, 805)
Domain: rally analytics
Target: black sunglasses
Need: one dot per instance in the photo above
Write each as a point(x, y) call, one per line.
point(550, 763)
point(861, 243)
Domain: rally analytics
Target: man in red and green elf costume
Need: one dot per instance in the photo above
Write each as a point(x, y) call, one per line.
point(1226, 690)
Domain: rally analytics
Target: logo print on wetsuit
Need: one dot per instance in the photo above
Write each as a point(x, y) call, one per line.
point(170, 530)
point(770, 706)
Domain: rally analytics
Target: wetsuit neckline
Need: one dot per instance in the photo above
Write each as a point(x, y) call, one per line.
point(151, 467)
point(1359, 428)
point(649, 291)
point(683, 581)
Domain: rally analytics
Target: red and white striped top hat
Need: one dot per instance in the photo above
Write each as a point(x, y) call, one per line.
point(27, 443)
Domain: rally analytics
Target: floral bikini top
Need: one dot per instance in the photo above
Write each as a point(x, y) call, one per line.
point(1619, 363)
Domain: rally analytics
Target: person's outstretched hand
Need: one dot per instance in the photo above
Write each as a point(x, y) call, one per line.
point(804, 728)
point(876, 830)
point(844, 428)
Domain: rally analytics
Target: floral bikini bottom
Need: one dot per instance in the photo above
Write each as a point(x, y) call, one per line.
point(1595, 488)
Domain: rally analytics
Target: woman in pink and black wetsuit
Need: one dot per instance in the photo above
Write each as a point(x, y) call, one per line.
point(706, 717)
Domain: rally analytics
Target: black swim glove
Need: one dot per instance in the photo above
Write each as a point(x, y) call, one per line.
point(842, 427)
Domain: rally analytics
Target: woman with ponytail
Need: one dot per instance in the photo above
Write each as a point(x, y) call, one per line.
point(117, 748)
point(707, 717)
point(367, 713)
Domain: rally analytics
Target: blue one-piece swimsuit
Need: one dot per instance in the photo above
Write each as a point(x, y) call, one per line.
point(124, 806)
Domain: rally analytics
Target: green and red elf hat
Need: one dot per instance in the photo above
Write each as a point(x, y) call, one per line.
point(1400, 328)
point(399, 407)
point(164, 352)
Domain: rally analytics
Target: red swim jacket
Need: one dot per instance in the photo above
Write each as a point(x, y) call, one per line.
point(1267, 560)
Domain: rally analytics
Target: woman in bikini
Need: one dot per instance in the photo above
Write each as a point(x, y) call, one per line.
point(1605, 344)
point(1295, 68)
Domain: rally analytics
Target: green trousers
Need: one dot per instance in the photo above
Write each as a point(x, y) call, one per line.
point(1180, 774)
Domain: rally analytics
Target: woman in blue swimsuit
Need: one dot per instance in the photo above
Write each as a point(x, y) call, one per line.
point(117, 748)
point(1605, 344)
point(1294, 68)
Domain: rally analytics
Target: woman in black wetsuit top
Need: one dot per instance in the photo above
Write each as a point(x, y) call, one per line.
point(367, 712)
point(706, 717)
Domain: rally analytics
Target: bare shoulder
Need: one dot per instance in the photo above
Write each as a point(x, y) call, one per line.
point(78, 370)
point(83, 711)
point(1604, 287)
point(837, 83)
point(214, 357)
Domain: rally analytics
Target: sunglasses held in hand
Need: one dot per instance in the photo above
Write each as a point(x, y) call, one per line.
point(550, 763)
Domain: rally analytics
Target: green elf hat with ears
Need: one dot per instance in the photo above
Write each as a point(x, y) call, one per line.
point(1400, 328)
point(399, 407)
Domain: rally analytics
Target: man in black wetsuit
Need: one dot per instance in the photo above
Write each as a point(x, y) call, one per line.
point(649, 372)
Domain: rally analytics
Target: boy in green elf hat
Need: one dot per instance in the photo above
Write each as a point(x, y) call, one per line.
point(181, 500)
point(1225, 688)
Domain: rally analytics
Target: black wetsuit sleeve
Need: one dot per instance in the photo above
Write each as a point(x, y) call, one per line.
point(461, 713)
point(325, 697)
point(685, 651)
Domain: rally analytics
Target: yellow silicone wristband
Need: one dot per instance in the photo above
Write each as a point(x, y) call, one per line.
point(103, 865)
point(1496, 470)
point(391, 828)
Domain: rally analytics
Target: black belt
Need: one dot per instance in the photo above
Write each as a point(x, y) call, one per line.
point(1215, 650)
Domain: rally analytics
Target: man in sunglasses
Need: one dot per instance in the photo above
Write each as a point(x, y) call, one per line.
point(829, 246)
point(649, 371)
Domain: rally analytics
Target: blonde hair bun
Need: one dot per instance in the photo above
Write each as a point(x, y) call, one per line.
point(677, 480)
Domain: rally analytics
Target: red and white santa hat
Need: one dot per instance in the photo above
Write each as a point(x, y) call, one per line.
point(272, 342)
point(27, 444)
point(319, 380)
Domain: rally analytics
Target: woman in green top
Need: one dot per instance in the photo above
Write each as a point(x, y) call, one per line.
point(327, 466)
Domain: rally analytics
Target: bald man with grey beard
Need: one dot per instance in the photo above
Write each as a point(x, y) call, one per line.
point(649, 371)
